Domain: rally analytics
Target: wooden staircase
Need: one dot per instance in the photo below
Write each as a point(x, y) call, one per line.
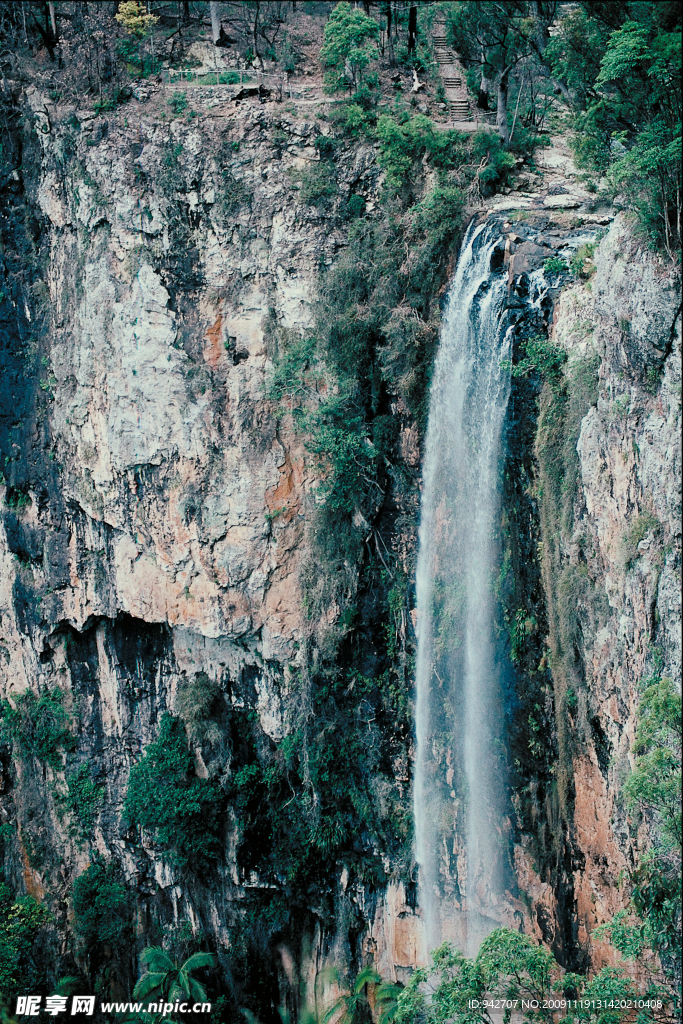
point(459, 110)
point(453, 78)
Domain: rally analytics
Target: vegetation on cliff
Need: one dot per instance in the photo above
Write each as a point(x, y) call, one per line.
point(331, 796)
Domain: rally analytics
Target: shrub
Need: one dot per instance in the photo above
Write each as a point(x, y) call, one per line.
point(581, 261)
point(355, 206)
point(539, 356)
point(100, 902)
point(41, 725)
point(349, 456)
point(351, 119)
point(22, 920)
point(405, 140)
point(17, 499)
point(492, 160)
point(400, 146)
point(364, 97)
point(317, 183)
point(82, 800)
point(178, 103)
point(198, 701)
point(294, 369)
point(639, 529)
point(555, 265)
point(165, 796)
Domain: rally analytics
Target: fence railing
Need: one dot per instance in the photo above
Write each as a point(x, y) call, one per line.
point(279, 84)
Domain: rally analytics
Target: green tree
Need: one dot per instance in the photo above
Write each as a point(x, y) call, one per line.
point(354, 1007)
point(41, 725)
point(454, 989)
point(654, 789)
point(348, 47)
point(622, 63)
point(101, 916)
point(652, 920)
point(166, 980)
point(22, 921)
point(135, 19)
point(487, 36)
point(139, 24)
point(165, 796)
point(350, 458)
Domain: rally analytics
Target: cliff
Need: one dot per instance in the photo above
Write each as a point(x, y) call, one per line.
point(162, 550)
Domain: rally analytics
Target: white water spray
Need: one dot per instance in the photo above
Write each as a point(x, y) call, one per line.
point(459, 778)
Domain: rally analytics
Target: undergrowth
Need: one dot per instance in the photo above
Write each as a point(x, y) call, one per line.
point(40, 724)
point(164, 796)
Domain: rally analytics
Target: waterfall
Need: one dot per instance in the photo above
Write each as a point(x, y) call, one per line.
point(459, 787)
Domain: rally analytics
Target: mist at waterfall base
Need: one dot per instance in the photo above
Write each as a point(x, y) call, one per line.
point(460, 785)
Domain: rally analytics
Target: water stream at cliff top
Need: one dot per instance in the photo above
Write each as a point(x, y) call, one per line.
point(459, 791)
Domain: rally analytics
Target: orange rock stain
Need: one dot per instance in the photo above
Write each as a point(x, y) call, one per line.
point(213, 350)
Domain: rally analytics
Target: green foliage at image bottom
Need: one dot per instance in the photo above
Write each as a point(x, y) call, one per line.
point(22, 921)
point(102, 917)
point(510, 966)
point(167, 979)
point(164, 795)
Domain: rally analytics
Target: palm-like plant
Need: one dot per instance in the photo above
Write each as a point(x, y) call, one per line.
point(353, 1007)
point(386, 998)
point(168, 980)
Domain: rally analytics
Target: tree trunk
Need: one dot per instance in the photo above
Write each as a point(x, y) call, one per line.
point(542, 36)
point(390, 45)
point(502, 107)
point(412, 28)
point(186, 12)
point(255, 34)
point(483, 97)
point(215, 22)
point(53, 22)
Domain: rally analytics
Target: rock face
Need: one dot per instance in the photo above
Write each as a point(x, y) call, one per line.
point(606, 483)
point(626, 531)
point(157, 507)
point(157, 503)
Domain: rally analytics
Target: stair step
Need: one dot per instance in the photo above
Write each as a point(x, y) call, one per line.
point(452, 83)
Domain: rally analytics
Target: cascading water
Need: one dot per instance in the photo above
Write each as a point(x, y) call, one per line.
point(460, 778)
